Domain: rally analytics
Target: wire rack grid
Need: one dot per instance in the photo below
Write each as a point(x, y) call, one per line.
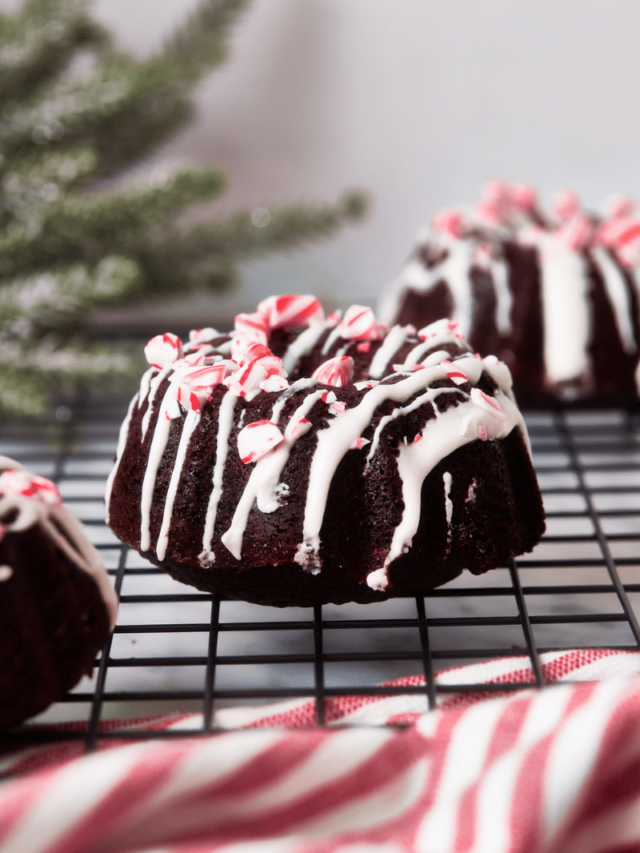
point(176, 650)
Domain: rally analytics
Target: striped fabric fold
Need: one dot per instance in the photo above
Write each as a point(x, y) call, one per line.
point(551, 770)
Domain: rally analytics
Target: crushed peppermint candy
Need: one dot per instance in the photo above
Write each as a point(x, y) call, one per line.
point(565, 204)
point(328, 397)
point(297, 427)
point(359, 443)
point(439, 328)
point(258, 439)
point(206, 334)
point(274, 384)
point(337, 408)
point(489, 404)
point(456, 376)
point(360, 324)
point(251, 327)
point(163, 350)
point(290, 312)
point(576, 233)
point(21, 484)
point(449, 221)
point(195, 382)
point(336, 371)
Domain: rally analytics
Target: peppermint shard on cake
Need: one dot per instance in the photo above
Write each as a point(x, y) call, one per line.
point(306, 458)
point(555, 293)
point(57, 604)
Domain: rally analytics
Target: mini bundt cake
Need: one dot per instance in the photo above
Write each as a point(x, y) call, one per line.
point(304, 459)
point(57, 605)
point(554, 295)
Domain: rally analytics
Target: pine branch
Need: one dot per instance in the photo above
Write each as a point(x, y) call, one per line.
point(201, 42)
point(85, 227)
point(31, 183)
point(27, 376)
point(51, 300)
point(245, 234)
point(38, 43)
point(22, 395)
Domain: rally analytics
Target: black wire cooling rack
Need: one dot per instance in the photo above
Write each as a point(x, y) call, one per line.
point(175, 650)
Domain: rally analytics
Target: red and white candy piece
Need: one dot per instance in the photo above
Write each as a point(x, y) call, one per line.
point(455, 375)
point(575, 234)
point(449, 221)
point(489, 404)
point(251, 327)
point(617, 206)
point(290, 312)
point(163, 350)
point(360, 324)
point(297, 427)
point(274, 383)
point(496, 204)
point(359, 443)
point(524, 197)
point(200, 335)
point(328, 397)
point(195, 384)
point(619, 232)
point(336, 371)
point(565, 204)
point(440, 328)
point(337, 408)
point(258, 439)
point(244, 351)
point(21, 484)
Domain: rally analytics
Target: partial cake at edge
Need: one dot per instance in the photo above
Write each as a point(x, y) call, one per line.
point(57, 604)
point(305, 459)
point(555, 294)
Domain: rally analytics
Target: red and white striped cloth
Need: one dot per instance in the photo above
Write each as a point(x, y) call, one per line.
point(554, 770)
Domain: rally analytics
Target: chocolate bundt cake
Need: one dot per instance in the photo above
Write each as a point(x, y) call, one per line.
point(57, 605)
point(304, 459)
point(555, 295)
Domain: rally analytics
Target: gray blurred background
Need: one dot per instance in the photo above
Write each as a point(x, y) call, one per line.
point(417, 101)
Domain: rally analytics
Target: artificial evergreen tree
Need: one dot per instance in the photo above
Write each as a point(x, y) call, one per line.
point(66, 246)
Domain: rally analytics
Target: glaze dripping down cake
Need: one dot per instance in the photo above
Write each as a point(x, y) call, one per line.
point(57, 605)
point(555, 294)
point(305, 459)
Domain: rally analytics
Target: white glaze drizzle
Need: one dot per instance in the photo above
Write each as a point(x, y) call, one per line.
point(145, 382)
point(448, 504)
point(454, 270)
point(264, 480)
point(618, 294)
point(395, 338)
point(500, 277)
point(564, 290)
point(156, 452)
point(428, 397)
point(440, 437)
point(304, 343)
point(336, 440)
point(122, 441)
point(225, 424)
point(299, 385)
point(191, 422)
point(152, 391)
point(331, 339)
